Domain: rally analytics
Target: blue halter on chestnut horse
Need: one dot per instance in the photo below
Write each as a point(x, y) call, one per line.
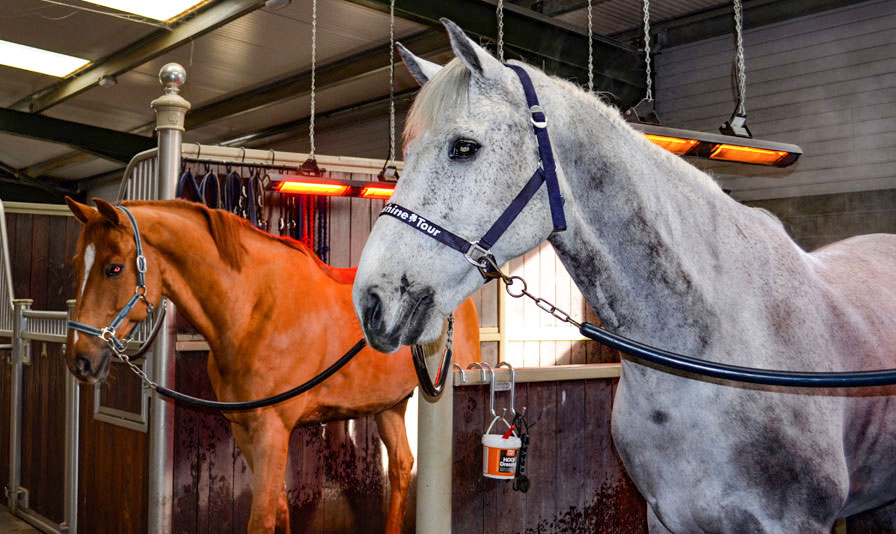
point(262, 337)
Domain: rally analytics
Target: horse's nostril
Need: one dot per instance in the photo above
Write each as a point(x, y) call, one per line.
point(374, 312)
point(82, 364)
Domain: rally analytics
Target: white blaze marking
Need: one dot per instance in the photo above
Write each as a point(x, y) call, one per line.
point(89, 255)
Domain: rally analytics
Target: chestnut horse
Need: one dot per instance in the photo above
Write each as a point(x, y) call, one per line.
point(274, 316)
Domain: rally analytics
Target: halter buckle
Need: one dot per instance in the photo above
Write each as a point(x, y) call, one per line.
point(479, 260)
point(141, 264)
point(540, 124)
point(107, 334)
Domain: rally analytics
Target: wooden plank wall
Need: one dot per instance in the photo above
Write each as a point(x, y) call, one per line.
point(547, 277)
point(578, 484)
point(112, 492)
point(826, 82)
point(40, 254)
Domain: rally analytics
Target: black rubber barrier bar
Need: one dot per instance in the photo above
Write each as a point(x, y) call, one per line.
point(736, 373)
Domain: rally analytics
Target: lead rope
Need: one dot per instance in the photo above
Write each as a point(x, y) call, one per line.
point(313, 79)
point(741, 68)
point(500, 13)
point(590, 50)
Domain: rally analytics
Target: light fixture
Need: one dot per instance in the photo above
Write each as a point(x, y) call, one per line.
point(674, 145)
point(166, 10)
point(107, 81)
point(312, 188)
point(301, 184)
point(747, 154)
point(721, 147)
point(39, 60)
point(377, 191)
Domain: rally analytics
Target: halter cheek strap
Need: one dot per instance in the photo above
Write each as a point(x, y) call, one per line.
point(477, 252)
point(108, 333)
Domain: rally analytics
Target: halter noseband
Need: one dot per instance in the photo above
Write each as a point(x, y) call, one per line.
point(107, 334)
point(477, 252)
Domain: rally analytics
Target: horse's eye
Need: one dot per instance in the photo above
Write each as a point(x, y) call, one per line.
point(114, 270)
point(464, 148)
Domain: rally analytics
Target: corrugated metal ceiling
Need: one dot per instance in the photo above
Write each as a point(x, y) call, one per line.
point(261, 46)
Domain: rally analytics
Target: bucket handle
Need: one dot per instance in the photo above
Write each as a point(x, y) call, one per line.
point(495, 420)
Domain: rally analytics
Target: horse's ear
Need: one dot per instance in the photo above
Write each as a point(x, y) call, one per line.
point(420, 69)
point(82, 212)
point(107, 210)
point(480, 62)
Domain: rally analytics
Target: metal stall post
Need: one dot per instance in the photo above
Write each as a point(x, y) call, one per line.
point(170, 110)
point(72, 409)
point(20, 348)
point(435, 441)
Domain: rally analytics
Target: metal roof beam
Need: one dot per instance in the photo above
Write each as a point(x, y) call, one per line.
point(329, 75)
point(293, 86)
point(541, 40)
point(102, 142)
point(215, 15)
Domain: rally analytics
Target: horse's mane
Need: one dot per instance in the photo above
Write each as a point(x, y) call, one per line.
point(227, 231)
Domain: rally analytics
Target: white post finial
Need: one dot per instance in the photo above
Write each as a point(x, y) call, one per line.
point(171, 107)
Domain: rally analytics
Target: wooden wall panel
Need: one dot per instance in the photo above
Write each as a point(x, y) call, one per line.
point(112, 492)
point(578, 483)
point(826, 81)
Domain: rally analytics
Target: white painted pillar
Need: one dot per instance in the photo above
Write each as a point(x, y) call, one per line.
point(170, 110)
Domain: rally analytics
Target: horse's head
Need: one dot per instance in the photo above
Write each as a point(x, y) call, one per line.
point(105, 263)
point(470, 149)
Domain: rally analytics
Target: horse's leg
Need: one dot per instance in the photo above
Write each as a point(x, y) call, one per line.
point(265, 444)
point(390, 424)
point(241, 436)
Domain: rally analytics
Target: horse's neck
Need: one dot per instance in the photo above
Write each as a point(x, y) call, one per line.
point(655, 246)
point(217, 299)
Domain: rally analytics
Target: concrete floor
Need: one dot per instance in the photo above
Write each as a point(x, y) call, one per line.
point(13, 525)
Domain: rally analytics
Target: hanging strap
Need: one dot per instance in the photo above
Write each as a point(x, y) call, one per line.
point(210, 191)
point(187, 188)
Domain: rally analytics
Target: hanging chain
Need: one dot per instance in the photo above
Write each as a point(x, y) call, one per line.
point(590, 50)
point(392, 82)
point(137, 370)
point(491, 270)
point(649, 95)
point(741, 68)
point(313, 67)
point(501, 31)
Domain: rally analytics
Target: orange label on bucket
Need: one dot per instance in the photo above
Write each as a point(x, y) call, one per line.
point(498, 462)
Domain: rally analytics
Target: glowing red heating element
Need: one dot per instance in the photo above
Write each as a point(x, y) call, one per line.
point(377, 191)
point(312, 188)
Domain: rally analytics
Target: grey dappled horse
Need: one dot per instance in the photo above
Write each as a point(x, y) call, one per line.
point(664, 257)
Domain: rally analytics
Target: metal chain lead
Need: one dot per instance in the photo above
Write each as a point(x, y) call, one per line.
point(493, 271)
point(313, 67)
point(392, 82)
point(741, 68)
point(649, 95)
point(590, 50)
point(500, 11)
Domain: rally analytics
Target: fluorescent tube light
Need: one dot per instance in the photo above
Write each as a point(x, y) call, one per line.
point(152, 9)
point(38, 60)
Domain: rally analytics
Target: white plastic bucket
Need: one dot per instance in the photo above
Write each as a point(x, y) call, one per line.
point(499, 454)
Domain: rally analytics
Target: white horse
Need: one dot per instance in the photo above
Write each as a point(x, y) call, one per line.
point(664, 257)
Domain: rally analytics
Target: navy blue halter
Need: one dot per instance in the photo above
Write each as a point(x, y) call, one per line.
point(107, 334)
point(477, 252)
